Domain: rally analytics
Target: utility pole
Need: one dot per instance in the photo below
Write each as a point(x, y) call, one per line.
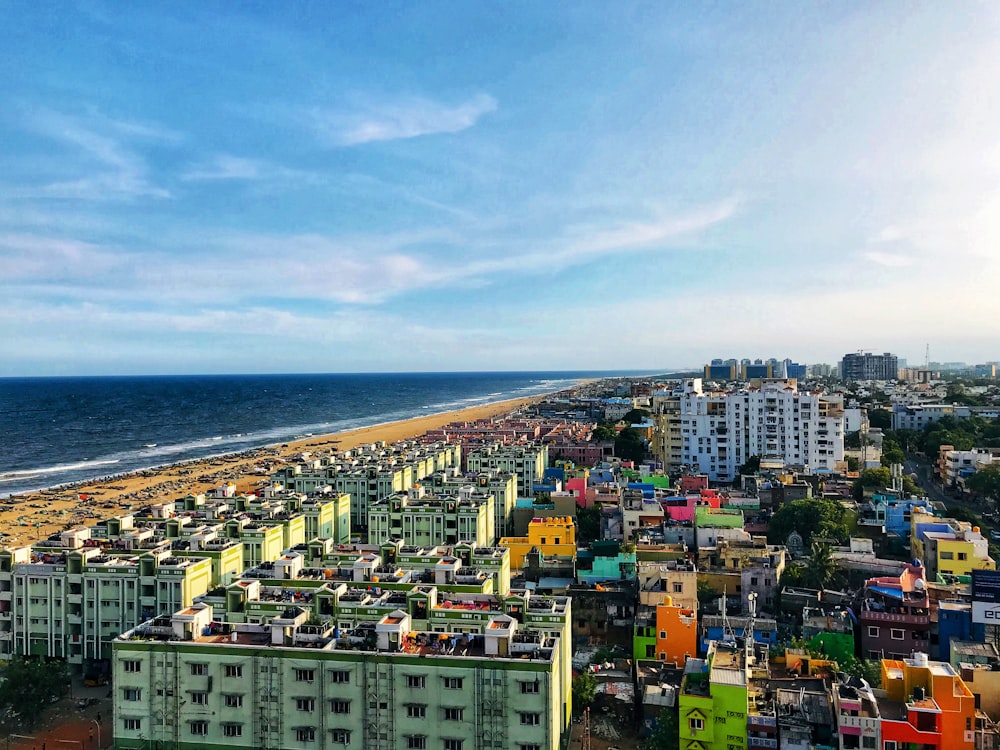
point(585, 743)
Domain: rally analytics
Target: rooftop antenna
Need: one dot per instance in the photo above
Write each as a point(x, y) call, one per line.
point(727, 629)
point(752, 607)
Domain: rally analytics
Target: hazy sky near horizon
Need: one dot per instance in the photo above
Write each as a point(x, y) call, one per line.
point(326, 187)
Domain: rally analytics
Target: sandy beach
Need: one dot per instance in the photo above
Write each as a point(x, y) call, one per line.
point(33, 516)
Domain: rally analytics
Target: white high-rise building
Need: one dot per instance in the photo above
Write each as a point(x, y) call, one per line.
point(770, 418)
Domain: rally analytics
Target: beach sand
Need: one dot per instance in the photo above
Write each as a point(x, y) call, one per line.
point(33, 516)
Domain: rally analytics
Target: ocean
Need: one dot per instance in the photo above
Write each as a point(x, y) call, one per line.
point(69, 429)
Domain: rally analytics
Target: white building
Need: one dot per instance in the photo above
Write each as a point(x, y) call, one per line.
point(771, 418)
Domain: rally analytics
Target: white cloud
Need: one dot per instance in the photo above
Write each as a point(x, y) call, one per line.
point(106, 166)
point(888, 260)
point(223, 167)
point(402, 119)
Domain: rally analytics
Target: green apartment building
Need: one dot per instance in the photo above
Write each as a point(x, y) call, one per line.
point(427, 520)
point(189, 681)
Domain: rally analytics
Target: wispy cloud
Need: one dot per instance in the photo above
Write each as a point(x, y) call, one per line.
point(888, 260)
point(401, 119)
point(226, 167)
point(105, 163)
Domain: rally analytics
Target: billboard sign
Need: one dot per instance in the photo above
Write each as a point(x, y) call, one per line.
point(986, 586)
point(986, 613)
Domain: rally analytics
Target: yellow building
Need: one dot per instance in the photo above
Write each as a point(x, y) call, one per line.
point(551, 536)
point(947, 546)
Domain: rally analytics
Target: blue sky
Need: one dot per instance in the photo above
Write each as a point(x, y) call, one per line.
point(270, 187)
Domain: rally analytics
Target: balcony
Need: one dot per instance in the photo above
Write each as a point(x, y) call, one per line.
point(761, 742)
point(758, 722)
point(868, 615)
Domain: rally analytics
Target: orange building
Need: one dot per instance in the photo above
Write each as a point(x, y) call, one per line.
point(927, 704)
point(676, 633)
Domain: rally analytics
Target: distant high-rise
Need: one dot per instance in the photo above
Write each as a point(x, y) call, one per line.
point(867, 366)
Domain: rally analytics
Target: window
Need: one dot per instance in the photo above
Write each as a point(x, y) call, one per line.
point(232, 730)
point(234, 670)
point(947, 555)
point(415, 681)
point(896, 634)
point(529, 746)
point(872, 632)
point(678, 588)
point(696, 725)
point(529, 687)
point(868, 743)
point(199, 698)
point(416, 710)
point(453, 714)
point(453, 683)
point(305, 734)
point(132, 724)
point(339, 706)
point(199, 728)
point(340, 736)
point(530, 720)
point(305, 675)
point(452, 744)
point(963, 556)
point(305, 704)
point(889, 745)
point(132, 694)
point(416, 742)
point(340, 676)
point(132, 666)
point(199, 669)
point(234, 701)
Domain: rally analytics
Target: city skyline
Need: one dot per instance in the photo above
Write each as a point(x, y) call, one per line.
point(465, 187)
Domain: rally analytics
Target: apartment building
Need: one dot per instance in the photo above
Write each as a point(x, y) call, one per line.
point(721, 430)
point(927, 704)
point(527, 461)
point(724, 703)
point(190, 681)
point(550, 536)
point(427, 520)
point(72, 601)
point(866, 366)
point(953, 465)
point(895, 616)
point(947, 546)
point(501, 485)
point(369, 473)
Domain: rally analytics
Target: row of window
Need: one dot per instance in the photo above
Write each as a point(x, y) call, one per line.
point(895, 634)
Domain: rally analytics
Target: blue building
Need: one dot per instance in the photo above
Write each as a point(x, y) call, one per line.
point(765, 630)
point(955, 621)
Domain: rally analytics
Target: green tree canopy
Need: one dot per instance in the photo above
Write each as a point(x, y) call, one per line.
point(823, 518)
point(636, 415)
point(892, 452)
point(881, 418)
point(752, 466)
point(630, 446)
point(588, 524)
point(666, 733)
point(986, 482)
point(29, 686)
point(604, 433)
point(584, 691)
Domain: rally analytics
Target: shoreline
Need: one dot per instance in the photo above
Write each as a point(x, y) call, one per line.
point(30, 516)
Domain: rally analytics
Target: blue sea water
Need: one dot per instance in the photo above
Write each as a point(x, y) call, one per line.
point(60, 430)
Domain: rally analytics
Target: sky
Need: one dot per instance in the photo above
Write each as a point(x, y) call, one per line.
point(201, 187)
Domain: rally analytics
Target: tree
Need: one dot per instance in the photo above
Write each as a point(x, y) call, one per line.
point(588, 524)
point(636, 415)
point(880, 418)
point(666, 732)
point(29, 686)
point(584, 691)
point(853, 464)
point(822, 568)
point(852, 440)
point(867, 670)
point(603, 433)
point(823, 518)
point(752, 466)
point(630, 446)
point(986, 482)
point(892, 453)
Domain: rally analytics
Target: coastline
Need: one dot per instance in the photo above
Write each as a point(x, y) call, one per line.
point(36, 515)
